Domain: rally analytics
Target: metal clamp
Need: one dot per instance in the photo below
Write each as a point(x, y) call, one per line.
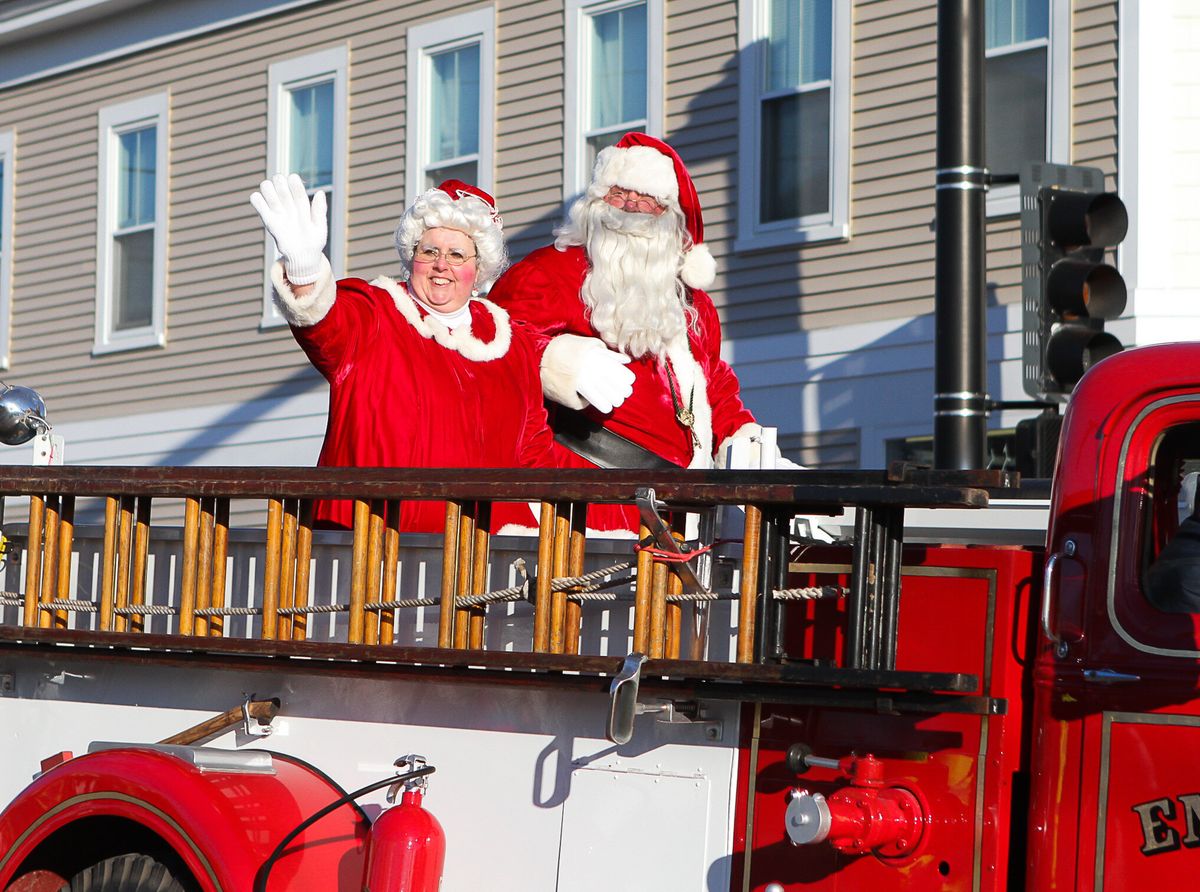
point(624, 707)
point(1060, 646)
point(411, 762)
point(648, 507)
point(252, 725)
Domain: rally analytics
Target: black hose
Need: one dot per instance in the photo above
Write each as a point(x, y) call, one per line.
point(260, 879)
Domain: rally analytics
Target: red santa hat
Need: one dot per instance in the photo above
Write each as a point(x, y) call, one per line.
point(652, 167)
point(457, 189)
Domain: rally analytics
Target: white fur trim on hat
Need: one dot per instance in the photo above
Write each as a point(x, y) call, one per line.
point(699, 269)
point(310, 309)
point(561, 362)
point(640, 168)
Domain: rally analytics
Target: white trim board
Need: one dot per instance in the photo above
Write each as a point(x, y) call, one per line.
point(286, 431)
point(424, 40)
point(576, 175)
point(66, 36)
point(8, 154)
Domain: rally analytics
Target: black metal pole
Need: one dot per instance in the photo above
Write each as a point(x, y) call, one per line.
point(960, 366)
point(856, 601)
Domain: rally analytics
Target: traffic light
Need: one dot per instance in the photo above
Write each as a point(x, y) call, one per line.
point(1068, 222)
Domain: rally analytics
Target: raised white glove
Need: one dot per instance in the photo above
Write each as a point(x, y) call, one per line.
point(603, 379)
point(297, 225)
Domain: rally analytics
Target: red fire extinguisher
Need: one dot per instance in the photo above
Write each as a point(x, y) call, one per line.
point(407, 848)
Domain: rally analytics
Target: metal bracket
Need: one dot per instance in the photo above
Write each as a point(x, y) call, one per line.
point(683, 712)
point(11, 547)
point(254, 726)
point(411, 762)
point(648, 507)
point(624, 707)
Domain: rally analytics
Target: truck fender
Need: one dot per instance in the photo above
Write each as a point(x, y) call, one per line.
point(217, 817)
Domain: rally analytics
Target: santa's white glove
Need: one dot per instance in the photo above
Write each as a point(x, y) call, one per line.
point(603, 379)
point(297, 225)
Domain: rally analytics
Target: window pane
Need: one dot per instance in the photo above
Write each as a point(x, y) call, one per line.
point(310, 142)
point(618, 67)
point(454, 104)
point(1016, 110)
point(596, 143)
point(1015, 21)
point(328, 218)
point(2, 233)
point(467, 172)
point(133, 274)
point(136, 159)
point(799, 43)
point(795, 156)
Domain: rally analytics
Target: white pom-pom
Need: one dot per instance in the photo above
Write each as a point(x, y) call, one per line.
point(699, 268)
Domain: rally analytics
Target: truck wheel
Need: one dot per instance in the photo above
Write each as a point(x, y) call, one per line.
point(126, 873)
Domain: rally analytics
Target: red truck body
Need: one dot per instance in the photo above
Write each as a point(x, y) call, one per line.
point(1082, 779)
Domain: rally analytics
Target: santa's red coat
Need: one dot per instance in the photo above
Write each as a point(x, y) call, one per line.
point(404, 391)
point(542, 294)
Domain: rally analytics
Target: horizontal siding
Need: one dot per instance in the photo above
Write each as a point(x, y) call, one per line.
point(828, 450)
point(887, 265)
point(1093, 131)
point(218, 103)
point(529, 122)
point(1094, 79)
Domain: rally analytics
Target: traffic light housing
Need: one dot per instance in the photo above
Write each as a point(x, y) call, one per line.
point(1068, 222)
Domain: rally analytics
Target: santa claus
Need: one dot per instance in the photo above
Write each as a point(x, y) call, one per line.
point(423, 372)
point(630, 341)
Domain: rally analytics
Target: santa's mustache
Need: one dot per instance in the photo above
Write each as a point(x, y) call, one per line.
point(643, 225)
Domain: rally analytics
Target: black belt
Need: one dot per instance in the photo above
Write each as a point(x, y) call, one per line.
point(593, 441)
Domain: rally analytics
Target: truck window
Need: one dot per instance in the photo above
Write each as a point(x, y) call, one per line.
point(1171, 553)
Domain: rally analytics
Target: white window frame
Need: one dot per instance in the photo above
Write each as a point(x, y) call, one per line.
point(113, 121)
point(425, 40)
point(8, 147)
point(329, 65)
point(1005, 200)
point(835, 224)
point(576, 172)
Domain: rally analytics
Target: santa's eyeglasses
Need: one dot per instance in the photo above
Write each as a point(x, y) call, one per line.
point(644, 204)
point(427, 254)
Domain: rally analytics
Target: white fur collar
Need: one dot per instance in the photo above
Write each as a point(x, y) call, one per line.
point(461, 340)
point(693, 388)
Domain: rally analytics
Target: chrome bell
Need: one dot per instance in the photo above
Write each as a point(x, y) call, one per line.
point(22, 415)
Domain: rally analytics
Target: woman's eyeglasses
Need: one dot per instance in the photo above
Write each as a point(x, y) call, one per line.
point(427, 254)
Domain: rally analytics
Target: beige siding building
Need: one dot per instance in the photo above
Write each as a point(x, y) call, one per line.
point(132, 268)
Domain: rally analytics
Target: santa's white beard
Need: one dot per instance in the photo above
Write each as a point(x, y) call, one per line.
point(635, 299)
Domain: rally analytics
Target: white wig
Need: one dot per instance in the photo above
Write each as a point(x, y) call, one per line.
point(435, 209)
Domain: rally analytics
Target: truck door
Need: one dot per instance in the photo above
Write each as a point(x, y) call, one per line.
point(1117, 714)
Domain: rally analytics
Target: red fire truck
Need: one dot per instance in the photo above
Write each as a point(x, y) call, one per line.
point(918, 699)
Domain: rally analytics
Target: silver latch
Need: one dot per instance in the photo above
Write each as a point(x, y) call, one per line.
point(624, 707)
